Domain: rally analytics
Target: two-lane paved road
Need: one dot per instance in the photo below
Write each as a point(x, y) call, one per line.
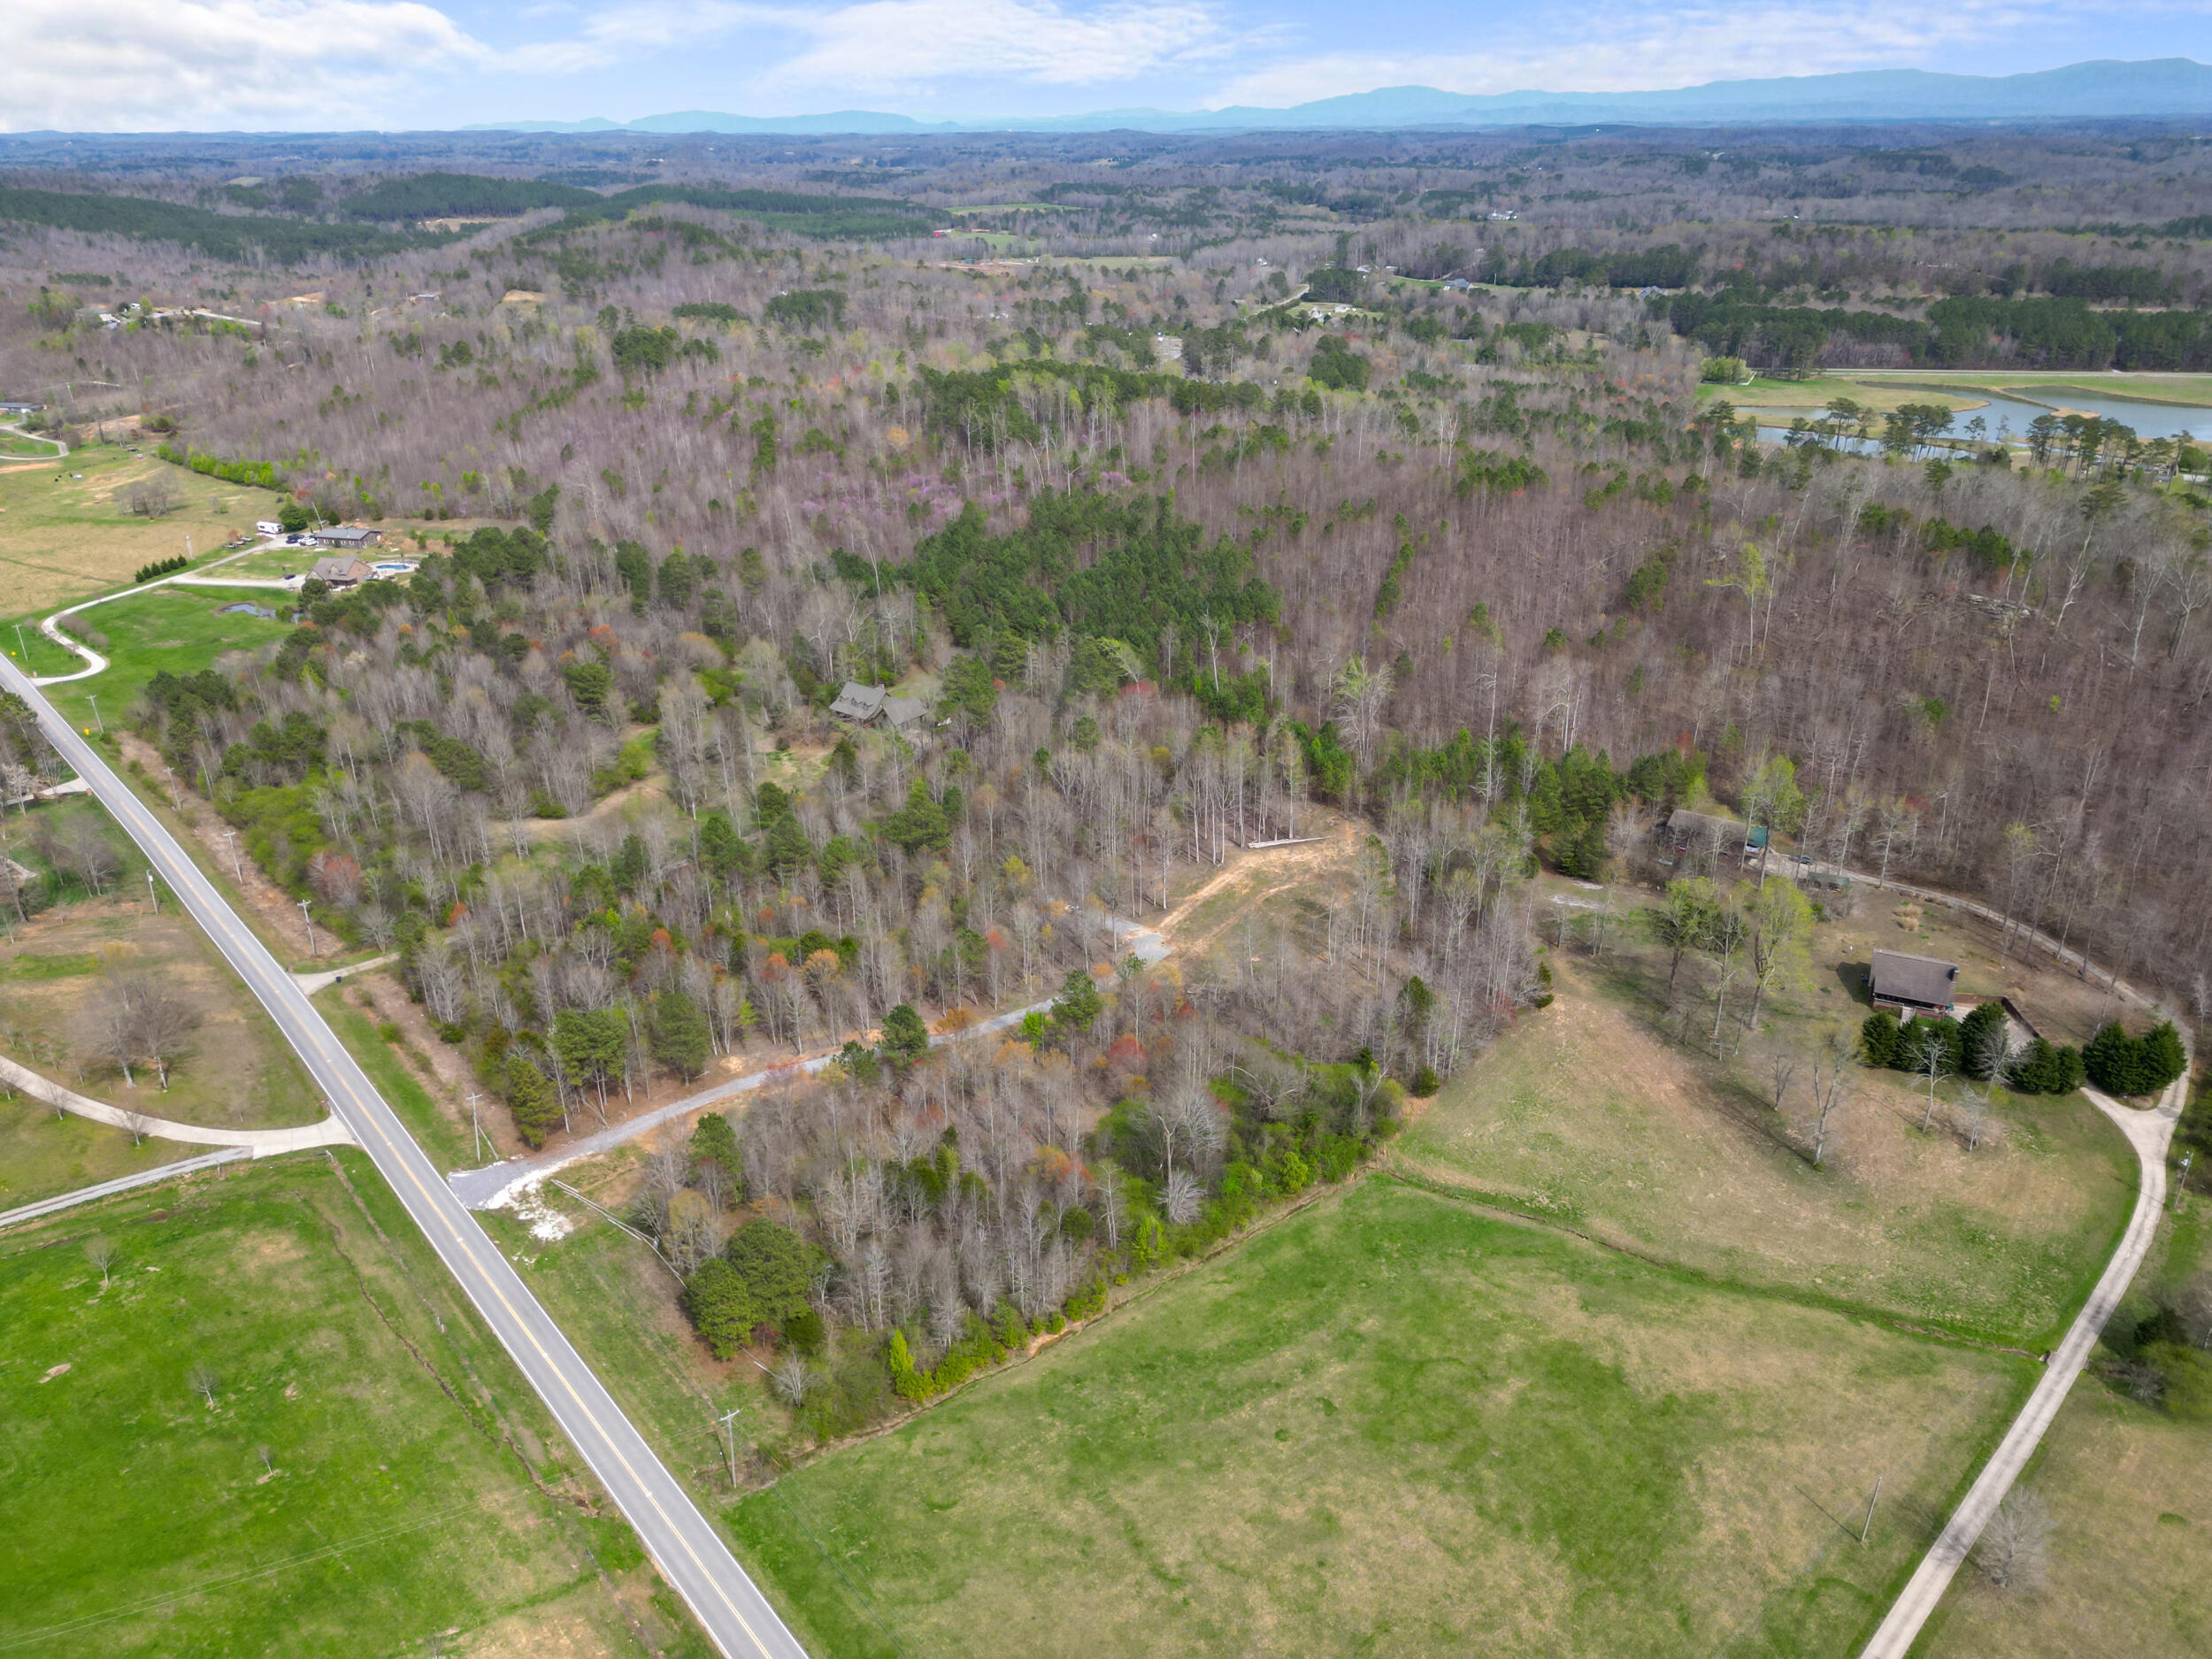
point(683, 1544)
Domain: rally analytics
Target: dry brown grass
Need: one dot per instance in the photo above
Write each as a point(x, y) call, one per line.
point(68, 540)
point(2128, 1490)
point(239, 1072)
point(1586, 1113)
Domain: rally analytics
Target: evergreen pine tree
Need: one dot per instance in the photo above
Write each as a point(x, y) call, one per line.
point(904, 1036)
point(680, 1041)
point(1881, 1038)
point(531, 1100)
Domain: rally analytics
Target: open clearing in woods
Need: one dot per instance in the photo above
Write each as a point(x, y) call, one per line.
point(400, 1501)
point(1587, 1114)
point(1395, 1424)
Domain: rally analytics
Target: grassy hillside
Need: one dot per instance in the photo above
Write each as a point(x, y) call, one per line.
point(1396, 1426)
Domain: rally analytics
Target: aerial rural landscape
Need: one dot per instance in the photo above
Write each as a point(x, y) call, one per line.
point(1408, 873)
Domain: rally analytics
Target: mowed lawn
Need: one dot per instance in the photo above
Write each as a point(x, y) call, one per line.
point(179, 629)
point(1394, 1423)
point(335, 1499)
point(1585, 1114)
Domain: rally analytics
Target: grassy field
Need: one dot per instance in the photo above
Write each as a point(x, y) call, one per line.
point(1395, 1425)
point(1964, 389)
point(2189, 389)
point(238, 1072)
point(1815, 395)
point(2127, 1488)
point(372, 1477)
point(43, 1153)
point(70, 539)
point(34, 652)
point(180, 629)
point(1590, 1113)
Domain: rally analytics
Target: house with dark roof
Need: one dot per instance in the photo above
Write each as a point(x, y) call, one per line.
point(1910, 984)
point(904, 715)
point(341, 570)
point(351, 537)
point(859, 703)
point(863, 704)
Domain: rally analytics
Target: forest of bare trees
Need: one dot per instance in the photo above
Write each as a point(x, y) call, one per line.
point(1177, 567)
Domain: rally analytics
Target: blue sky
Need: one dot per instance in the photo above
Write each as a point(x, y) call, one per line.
point(142, 64)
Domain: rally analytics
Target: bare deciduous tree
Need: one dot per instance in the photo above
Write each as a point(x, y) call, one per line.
point(2015, 1549)
point(99, 1250)
point(204, 1382)
point(793, 1379)
point(1831, 1083)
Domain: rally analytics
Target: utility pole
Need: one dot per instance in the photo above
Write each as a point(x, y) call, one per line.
point(96, 720)
point(236, 869)
point(1867, 1525)
point(21, 650)
point(310, 920)
point(152, 893)
point(732, 1433)
point(476, 1134)
point(2181, 1185)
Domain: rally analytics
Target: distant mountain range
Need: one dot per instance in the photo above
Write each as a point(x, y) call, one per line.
point(2156, 87)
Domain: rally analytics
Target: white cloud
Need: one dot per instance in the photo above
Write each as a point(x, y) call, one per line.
point(1640, 49)
point(150, 65)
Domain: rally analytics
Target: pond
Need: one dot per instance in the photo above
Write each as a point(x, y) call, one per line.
point(2009, 413)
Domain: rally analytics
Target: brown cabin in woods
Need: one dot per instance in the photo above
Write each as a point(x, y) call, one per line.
point(1910, 984)
point(862, 704)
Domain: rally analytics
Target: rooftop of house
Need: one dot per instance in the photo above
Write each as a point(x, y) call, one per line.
point(1897, 976)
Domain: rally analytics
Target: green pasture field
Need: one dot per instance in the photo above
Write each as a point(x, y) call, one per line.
point(1395, 1424)
point(373, 1477)
point(179, 629)
point(2188, 389)
point(64, 537)
point(1815, 395)
point(1590, 1114)
point(43, 1153)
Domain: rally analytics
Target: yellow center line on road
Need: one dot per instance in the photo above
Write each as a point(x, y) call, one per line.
point(255, 963)
point(319, 1034)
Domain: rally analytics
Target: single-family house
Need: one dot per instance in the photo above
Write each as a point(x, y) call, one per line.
point(1911, 985)
point(863, 704)
point(859, 703)
point(905, 715)
point(350, 537)
point(341, 570)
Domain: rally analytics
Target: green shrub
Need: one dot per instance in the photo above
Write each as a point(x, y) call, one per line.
point(2047, 1068)
point(761, 1278)
point(2124, 1065)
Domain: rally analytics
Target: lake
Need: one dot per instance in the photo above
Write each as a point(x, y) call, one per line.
point(2009, 414)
